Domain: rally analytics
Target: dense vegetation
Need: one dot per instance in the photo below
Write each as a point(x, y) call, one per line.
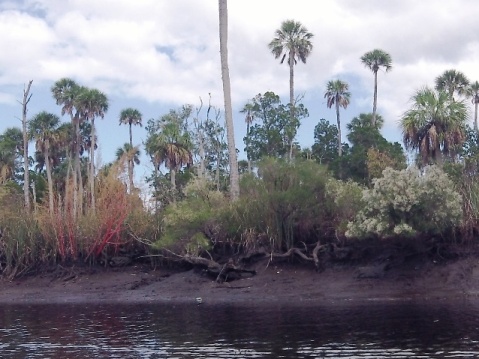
point(294, 202)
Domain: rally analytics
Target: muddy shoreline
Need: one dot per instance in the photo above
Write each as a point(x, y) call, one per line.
point(283, 284)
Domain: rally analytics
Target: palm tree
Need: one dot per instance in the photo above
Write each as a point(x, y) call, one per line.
point(65, 91)
point(92, 103)
point(337, 94)
point(132, 155)
point(43, 128)
point(473, 93)
point(173, 155)
point(130, 116)
point(452, 81)
point(291, 40)
point(434, 125)
point(225, 74)
point(374, 60)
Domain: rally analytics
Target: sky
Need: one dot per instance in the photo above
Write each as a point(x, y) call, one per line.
point(157, 55)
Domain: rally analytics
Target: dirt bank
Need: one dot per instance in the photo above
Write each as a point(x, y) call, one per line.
point(274, 283)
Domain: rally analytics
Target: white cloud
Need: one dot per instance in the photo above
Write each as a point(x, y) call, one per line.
point(167, 52)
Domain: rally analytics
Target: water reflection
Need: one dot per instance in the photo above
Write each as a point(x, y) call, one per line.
point(373, 330)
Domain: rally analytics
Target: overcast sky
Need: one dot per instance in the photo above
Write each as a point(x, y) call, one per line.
point(156, 55)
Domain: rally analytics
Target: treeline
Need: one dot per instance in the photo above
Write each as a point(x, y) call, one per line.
point(294, 202)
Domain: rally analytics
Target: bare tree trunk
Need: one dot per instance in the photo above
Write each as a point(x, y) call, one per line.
point(173, 178)
point(338, 120)
point(375, 99)
point(130, 161)
point(49, 176)
point(76, 166)
point(475, 113)
point(92, 166)
point(225, 74)
point(26, 176)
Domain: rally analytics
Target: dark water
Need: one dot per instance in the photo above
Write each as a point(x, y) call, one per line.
point(374, 330)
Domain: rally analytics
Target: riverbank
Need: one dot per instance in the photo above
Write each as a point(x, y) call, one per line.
point(273, 284)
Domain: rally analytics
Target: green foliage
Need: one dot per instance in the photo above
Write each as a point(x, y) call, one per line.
point(274, 130)
point(363, 136)
point(21, 244)
point(346, 199)
point(184, 222)
point(407, 203)
point(325, 147)
point(286, 203)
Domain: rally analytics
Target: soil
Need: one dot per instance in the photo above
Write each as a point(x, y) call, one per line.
point(280, 283)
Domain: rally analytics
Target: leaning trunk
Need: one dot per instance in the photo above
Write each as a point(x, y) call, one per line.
point(223, 28)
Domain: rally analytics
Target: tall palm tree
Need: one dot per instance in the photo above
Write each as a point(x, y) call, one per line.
point(92, 103)
point(453, 82)
point(292, 40)
point(225, 74)
point(337, 93)
point(42, 128)
point(434, 125)
point(473, 93)
point(65, 92)
point(132, 155)
point(130, 116)
point(374, 60)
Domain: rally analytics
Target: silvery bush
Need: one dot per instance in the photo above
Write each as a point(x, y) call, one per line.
point(408, 203)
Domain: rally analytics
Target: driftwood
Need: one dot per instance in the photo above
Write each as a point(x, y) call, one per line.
point(222, 272)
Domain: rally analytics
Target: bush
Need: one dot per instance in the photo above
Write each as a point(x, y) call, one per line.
point(286, 203)
point(184, 223)
point(408, 203)
point(346, 199)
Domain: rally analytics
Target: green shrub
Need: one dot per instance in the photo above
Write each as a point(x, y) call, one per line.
point(286, 203)
point(346, 199)
point(408, 203)
point(184, 222)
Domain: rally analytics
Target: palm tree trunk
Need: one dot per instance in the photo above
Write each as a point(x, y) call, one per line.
point(340, 150)
point(92, 165)
point(130, 162)
point(375, 99)
point(26, 174)
point(76, 165)
point(49, 177)
point(475, 113)
point(291, 98)
point(225, 74)
point(173, 178)
point(130, 170)
point(247, 148)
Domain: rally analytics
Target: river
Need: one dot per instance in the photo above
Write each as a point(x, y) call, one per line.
point(347, 330)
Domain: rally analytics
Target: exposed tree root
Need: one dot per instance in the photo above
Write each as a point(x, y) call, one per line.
point(222, 272)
